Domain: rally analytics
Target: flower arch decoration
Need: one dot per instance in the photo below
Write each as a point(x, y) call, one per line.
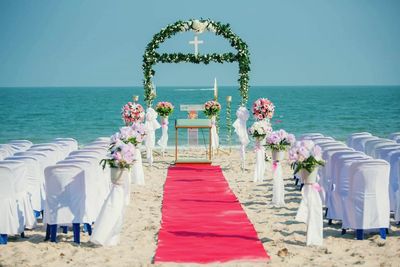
point(151, 57)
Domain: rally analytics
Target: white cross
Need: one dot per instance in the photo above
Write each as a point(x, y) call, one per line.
point(196, 43)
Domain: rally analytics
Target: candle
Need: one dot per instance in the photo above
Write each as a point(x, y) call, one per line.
point(229, 98)
point(135, 98)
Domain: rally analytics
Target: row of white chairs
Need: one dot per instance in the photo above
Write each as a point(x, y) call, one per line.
point(22, 188)
point(395, 137)
point(388, 150)
point(14, 146)
point(76, 189)
point(356, 186)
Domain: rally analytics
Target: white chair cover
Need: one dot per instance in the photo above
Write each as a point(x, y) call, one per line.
point(151, 125)
point(383, 152)
point(359, 143)
point(25, 211)
point(9, 219)
point(394, 136)
point(93, 190)
point(34, 179)
point(340, 184)
point(369, 144)
point(240, 127)
point(393, 160)
point(397, 211)
point(103, 139)
point(372, 145)
point(163, 142)
point(65, 190)
point(259, 168)
point(368, 200)
point(310, 135)
point(353, 136)
point(109, 223)
point(376, 153)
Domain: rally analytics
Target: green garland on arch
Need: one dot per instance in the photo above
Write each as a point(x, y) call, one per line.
point(151, 57)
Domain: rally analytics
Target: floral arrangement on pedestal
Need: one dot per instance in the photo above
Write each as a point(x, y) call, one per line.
point(280, 140)
point(263, 108)
point(133, 134)
point(122, 156)
point(260, 129)
point(164, 109)
point(212, 108)
point(305, 155)
point(132, 112)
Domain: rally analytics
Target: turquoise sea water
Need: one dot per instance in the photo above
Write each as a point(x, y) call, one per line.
point(40, 114)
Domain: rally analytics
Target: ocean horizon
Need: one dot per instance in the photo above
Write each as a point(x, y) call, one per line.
point(40, 114)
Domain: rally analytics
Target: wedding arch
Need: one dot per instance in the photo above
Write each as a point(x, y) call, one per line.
point(151, 57)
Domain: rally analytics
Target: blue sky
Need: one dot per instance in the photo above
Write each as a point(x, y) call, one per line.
point(100, 43)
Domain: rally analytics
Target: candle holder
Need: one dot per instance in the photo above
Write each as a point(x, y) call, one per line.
point(229, 121)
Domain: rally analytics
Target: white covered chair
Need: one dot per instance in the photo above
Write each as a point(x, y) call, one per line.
point(383, 152)
point(21, 144)
point(370, 146)
point(65, 202)
point(353, 136)
point(377, 152)
point(340, 183)
point(34, 180)
point(394, 136)
point(10, 215)
point(54, 151)
point(394, 192)
point(71, 144)
point(359, 142)
point(368, 201)
point(310, 135)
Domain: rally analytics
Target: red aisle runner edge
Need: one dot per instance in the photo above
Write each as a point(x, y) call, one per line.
point(202, 220)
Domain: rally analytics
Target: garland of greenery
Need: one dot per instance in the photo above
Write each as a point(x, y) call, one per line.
point(151, 57)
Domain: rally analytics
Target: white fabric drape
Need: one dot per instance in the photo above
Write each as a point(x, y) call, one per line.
point(278, 192)
point(214, 134)
point(163, 142)
point(151, 125)
point(137, 169)
point(240, 127)
point(310, 212)
point(109, 223)
point(259, 169)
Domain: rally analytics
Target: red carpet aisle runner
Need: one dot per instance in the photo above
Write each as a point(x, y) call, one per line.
point(202, 220)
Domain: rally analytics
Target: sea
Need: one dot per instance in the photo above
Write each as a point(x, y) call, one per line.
point(41, 114)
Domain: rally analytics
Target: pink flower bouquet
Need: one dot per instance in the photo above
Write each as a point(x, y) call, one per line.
point(211, 108)
point(132, 112)
point(305, 155)
point(164, 109)
point(280, 140)
point(121, 156)
point(263, 108)
point(133, 134)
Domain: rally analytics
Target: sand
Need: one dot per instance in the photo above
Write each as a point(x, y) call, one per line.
point(282, 237)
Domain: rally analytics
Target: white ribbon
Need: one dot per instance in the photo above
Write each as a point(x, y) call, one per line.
point(163, 142)
point(240, 127)
point(310, 212)
point(137, 169)
point(151, 125)
point(278, 192)
point(259, 169)
point(214, 134)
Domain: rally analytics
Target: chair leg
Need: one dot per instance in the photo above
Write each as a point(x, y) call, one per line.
point(76, 229)
point(53, 233)
point(301, 186)
point(326, 212)
point(47, 238)
point(330, 222)
point(36, 213)
point(360, 234)
point(87, 228)
point(64, 229)
point(382, 232)
point(297, 181)
point(23, 235)
point(343, 231)
point(3, 239)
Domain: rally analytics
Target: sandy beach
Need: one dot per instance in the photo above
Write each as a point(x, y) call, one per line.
point(283, 238)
